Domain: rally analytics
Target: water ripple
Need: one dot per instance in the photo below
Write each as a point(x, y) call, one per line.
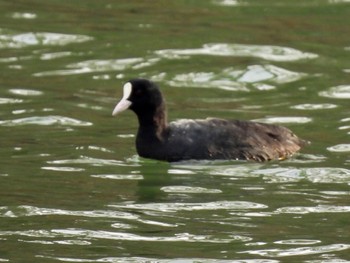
point(298, 242)
point(25, 210)
point(233, 3)
point(55, 55)
point(99, 65)
point(298, 251)
point(337, 92)
point(280, 175)
point(180, 171)
point(24, 15)
point(272, 53)
point(256, 73)
point(235, 79)
point(339, 148)
point(13, 40)
point(285, 120)
point(89, 160)
point(309, 106)
point(315, 209)
point(315, 175)
point(233, 172)
point(328, 175)
point(206, 80)
point(119, 176)
point(338, 1)
point(10, 101)
point(229, 2)
point(26, 92)
point(94, 148)
point(189, 190)
point(45, 120)
point(183, 237)
point(157, 260)
point(174, 207)
point(62, 169)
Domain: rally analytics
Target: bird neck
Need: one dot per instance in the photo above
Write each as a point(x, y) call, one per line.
point(154, 122)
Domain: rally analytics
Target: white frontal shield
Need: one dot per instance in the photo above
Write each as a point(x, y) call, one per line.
point(124, 103)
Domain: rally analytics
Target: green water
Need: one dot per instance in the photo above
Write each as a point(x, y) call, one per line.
point(73, 188)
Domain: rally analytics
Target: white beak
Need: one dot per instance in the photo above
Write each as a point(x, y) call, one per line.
point(124, 103)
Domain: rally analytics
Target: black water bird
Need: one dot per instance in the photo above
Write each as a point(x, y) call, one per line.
point(207, 139)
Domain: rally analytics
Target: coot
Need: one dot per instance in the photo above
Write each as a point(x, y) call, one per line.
point(209, 138)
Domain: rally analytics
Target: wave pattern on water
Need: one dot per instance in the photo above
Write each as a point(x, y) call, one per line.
point(227, 79)
point(309, 106)
point(86, 236)
point(314, 175)
point(45, 120)
point(24, 15)
point(229, 2)
point(259, 77)
point(83, 200)
point(173, 220)
point(9, 39)
point(91, 66)
point(234, 3)
point(10, 101)
point(173, 207)
point(91, 234)
point(339, 148)
point(119, 176)
point(316, 209)
point(337, 92)
point(285, 120)
point(25, 210)
point(89, 160)
point(298, 251)
point(189, 189)
point(26, 92)
point(271, 53)
point(157, 260)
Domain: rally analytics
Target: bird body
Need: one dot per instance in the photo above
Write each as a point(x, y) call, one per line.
point(200, 139)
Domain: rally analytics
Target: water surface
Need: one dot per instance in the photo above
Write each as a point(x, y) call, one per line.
point(73, 188)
